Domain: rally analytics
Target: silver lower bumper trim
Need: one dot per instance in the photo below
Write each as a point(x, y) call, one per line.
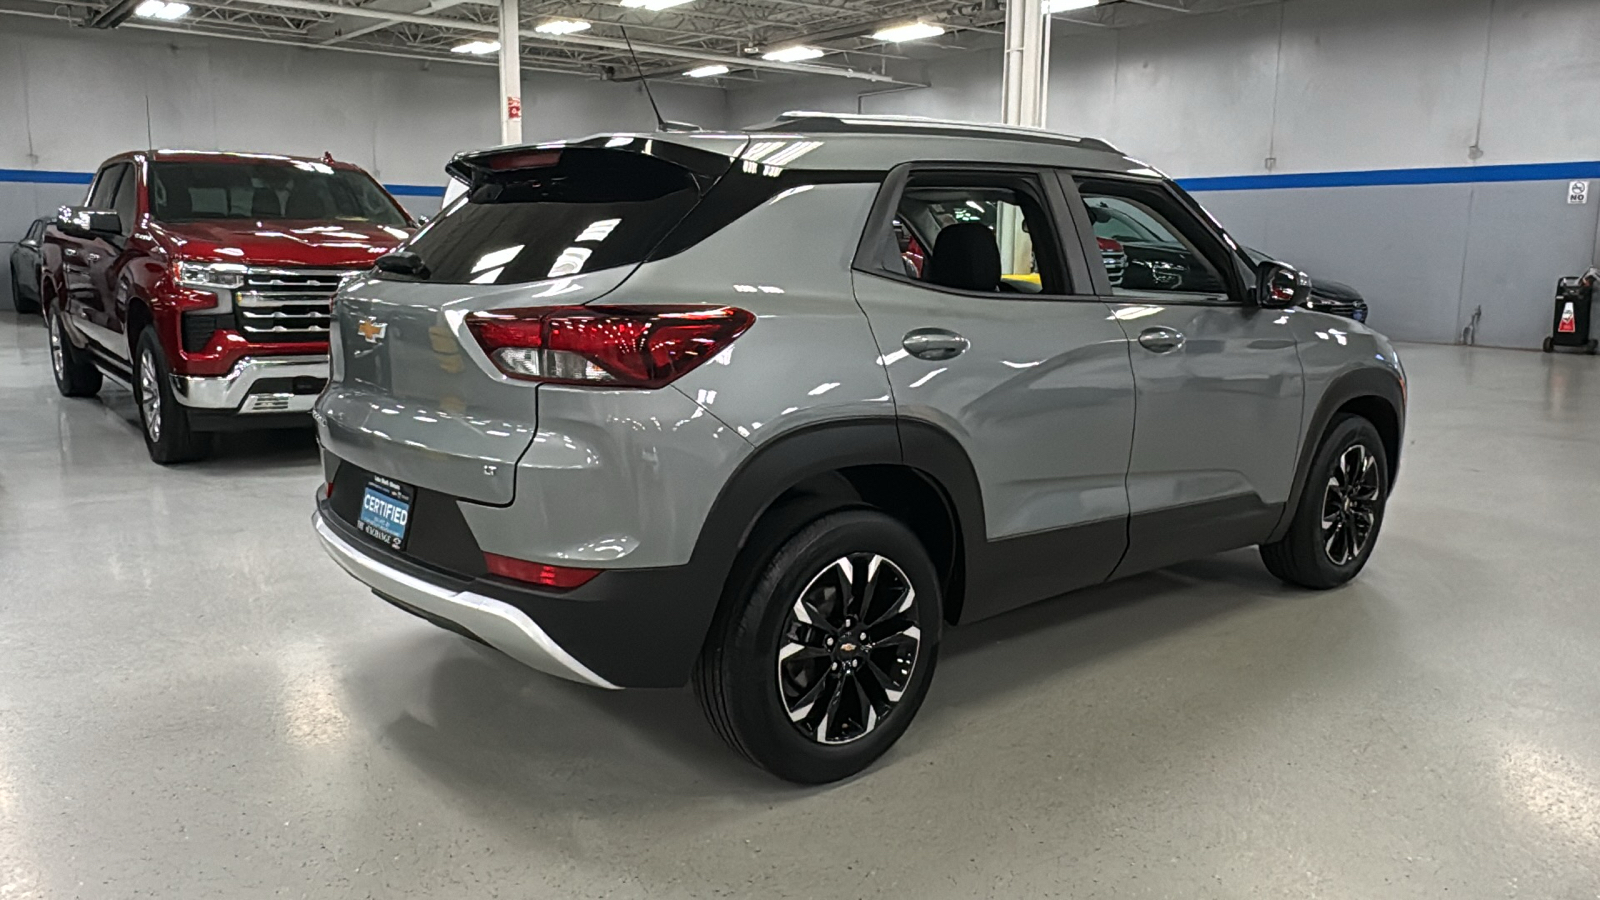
point(229, 391)
point(499, 624)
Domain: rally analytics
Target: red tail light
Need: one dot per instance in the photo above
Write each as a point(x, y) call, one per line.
point(1109, 244)
point(617, 346)
point(538, 573)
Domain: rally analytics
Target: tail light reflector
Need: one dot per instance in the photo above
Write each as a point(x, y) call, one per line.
point(538, 573)
point(617, 346)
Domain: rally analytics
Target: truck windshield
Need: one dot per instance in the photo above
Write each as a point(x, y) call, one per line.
point(192, 192)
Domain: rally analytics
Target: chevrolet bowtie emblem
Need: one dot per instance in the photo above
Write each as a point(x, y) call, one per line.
point(372, 330)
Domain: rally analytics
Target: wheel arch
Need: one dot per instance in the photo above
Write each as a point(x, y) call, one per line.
point(1374, 394)
point(806, 473)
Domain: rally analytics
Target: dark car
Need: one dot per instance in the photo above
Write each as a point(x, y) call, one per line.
point(1334, 297)
point(25, 269)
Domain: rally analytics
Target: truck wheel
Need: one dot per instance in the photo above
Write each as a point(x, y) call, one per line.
point(1341, 509)
point(1594, 344)
point(75, 373)
point(1549, 345)
point(164, 421)
point(17, 301)
point(820, 661)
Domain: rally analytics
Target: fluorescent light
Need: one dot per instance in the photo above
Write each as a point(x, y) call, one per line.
point(563, 26)
point(707, 72)
point(1060, 6)
point(653, 5)
point(477, 48)
point(161, 9)
point(915, 31)
point(792, 54)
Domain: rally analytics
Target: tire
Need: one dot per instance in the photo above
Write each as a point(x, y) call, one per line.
point(17, 302)
point(829, 705)
point(76, 375)
point(1349, 481)
point(162, 419)
point(1594, 345)
point(1549, 345)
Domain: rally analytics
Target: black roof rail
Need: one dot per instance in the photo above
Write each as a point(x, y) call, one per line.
point(851, 123)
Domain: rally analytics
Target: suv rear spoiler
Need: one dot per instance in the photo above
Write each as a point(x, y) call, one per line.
point(706, 155)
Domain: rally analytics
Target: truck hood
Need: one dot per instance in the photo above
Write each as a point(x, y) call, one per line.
point(280, 243)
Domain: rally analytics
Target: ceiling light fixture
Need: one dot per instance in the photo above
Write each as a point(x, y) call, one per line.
point(1061, 6)
point(563, 26)
point(477, 48)
point(792, 54)
point(161, 9)
point(653, 5)
point(914, 31)
point(707, 72)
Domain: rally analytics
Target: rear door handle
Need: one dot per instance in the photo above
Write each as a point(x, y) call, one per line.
point(934, 343)
point(1161, 340)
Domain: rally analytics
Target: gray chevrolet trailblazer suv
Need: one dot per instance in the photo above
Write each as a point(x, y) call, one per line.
point(769, 410)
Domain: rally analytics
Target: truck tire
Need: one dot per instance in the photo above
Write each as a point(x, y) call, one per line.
point(1336, 524)
point(1549, 345)
point(76, 375)
point(162, 419)
point(825, 647)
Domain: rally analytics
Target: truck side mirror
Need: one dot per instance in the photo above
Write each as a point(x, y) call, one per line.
point(84, 222)
point(1280, 285)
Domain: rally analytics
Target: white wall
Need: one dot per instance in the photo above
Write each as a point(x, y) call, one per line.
point(1336, 86)
point(70, 97)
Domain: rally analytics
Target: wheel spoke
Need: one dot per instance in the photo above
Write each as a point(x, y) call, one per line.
point(802, 706)
point(830, 715)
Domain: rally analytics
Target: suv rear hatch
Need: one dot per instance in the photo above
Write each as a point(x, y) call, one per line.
point(413, 394)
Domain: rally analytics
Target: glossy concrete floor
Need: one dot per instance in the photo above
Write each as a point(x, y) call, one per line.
point(195, 703)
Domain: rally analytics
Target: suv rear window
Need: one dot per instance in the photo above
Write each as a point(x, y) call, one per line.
point(574, 211)
point(295, 190)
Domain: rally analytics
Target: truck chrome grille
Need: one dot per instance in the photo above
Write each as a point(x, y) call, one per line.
point(286, 305)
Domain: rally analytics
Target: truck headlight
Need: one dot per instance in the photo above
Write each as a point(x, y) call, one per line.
point(212, 276)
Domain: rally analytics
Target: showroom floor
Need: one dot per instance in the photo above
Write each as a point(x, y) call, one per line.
point(195, 702)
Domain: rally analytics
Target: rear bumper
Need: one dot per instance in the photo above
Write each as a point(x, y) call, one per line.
point(494, 622)
point(257, 385)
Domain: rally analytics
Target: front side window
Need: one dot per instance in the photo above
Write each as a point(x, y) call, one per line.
point(105, 184)
point(294, 191)
point(1148, 243)
point(981, 235)
point(126, 200)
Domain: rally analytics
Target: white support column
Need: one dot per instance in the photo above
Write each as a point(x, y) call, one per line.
point(1027, 64)
point(510, 73)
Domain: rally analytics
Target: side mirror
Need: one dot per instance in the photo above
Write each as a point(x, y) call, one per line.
point(422, 220)
point(1280, 285)
point(81, 221)
point(30, 243)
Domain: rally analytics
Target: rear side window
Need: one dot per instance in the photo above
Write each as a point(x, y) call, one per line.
point(581, 211)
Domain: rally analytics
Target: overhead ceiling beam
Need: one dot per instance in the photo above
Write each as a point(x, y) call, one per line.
point(113, 15)
point(433, 7)
point(582, 40)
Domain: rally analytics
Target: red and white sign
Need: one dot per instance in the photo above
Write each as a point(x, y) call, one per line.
point(1569, 320)
point(513, 107)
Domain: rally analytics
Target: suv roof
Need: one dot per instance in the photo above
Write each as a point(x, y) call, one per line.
point(842, 141)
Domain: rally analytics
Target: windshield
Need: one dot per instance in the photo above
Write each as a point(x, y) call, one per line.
point(296, 190)
point(1121, 223)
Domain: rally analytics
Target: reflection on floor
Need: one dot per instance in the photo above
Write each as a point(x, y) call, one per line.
point(194, 702)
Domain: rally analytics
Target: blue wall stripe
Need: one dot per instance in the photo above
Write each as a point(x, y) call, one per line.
point(36, 176)
point(1563, 171)
point(1566, 171)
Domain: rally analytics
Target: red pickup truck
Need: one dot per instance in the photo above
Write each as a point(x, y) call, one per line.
point(202, 280)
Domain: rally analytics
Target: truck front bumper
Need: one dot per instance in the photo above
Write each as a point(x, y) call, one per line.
point(257, 385)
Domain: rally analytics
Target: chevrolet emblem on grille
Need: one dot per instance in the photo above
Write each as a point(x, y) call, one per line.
point(372, 330)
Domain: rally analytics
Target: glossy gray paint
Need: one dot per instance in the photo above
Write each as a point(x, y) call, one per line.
point(1066, 418)
point(1042, 401)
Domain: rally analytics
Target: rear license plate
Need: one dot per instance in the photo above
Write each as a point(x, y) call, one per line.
point(386, 511)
